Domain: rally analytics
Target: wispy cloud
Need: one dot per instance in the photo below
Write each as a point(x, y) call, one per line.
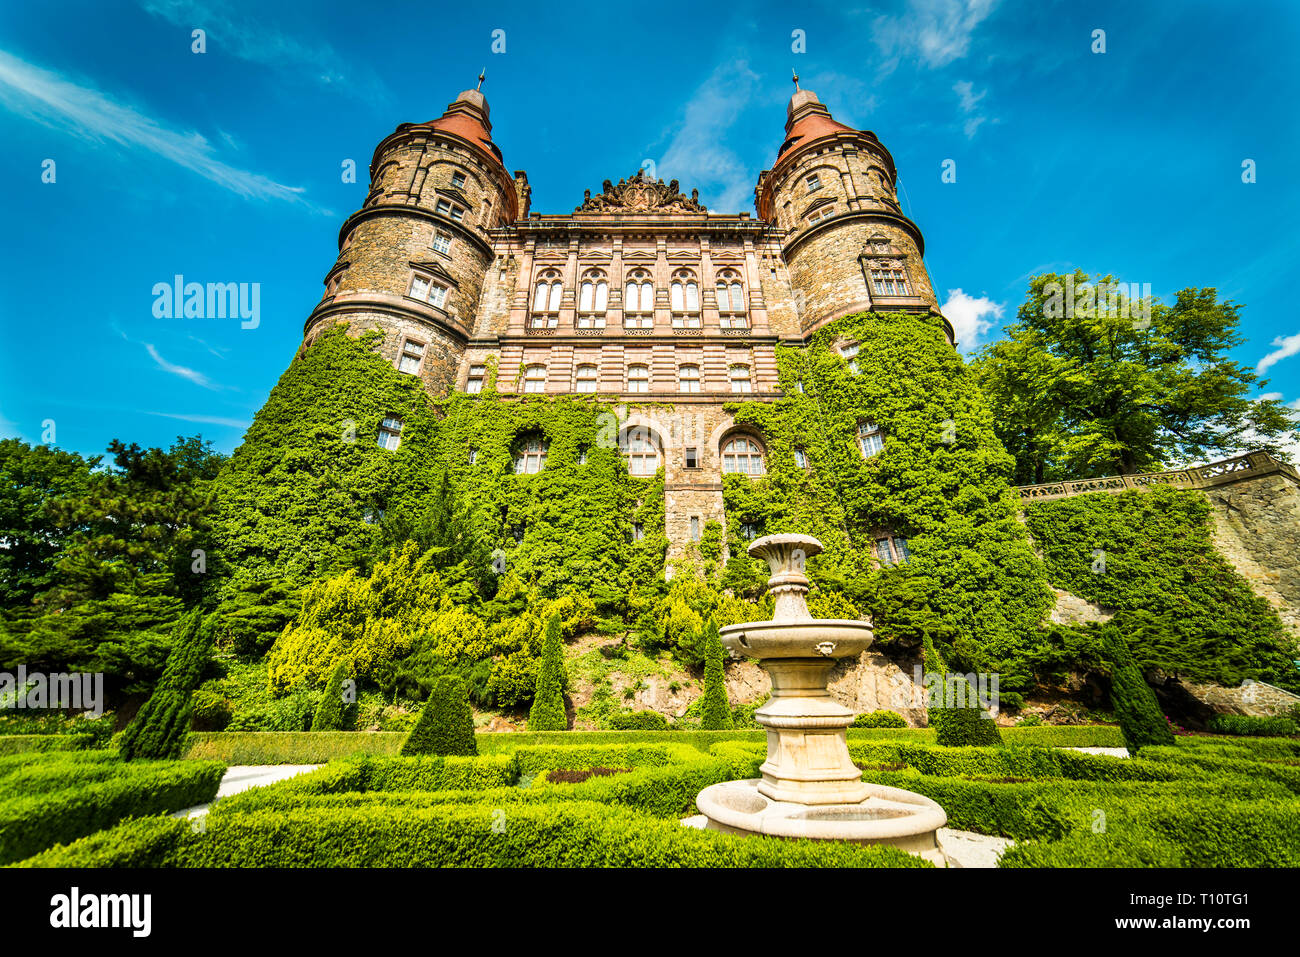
point(50, 98)
point(971, 317)
point(965, 91)
point(1286, 346)
point(936, 32)
point(204, 419)
point(198, 378)
point(696, 155)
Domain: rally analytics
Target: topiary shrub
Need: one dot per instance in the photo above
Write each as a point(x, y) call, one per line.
point(161, 728)
point(638, 721)
point(880, 719)
point(547, 711)
point(715, 712)
point(330, 712)
point(446, 724)
point(1134, 703)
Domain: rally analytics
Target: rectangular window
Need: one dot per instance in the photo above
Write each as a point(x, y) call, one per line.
point(390, 433)
point(692, 459)
point(474, 384)
point(903, 552)
point(814, 183)
point(800, 459)
point(426, 289)
point(695, 528)
point(412, 356)
point(446, 208)
point(889, 282)
point(441, 243)
point(473, 456)
point(883, 553)
point(638, 531)
point(458, 179)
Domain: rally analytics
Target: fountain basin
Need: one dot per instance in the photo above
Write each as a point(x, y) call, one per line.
point(799, 638)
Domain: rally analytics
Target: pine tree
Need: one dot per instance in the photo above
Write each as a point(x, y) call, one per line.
point(330, 712)
point(961, 725)
point(715, 712)
point(547, 712)
point(161, 728)
point(1140, 718)
point(446, 724)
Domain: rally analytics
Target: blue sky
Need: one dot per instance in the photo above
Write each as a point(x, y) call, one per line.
point(225, 166)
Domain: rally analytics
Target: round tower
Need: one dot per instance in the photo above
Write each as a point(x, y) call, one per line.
point(833, 193)
point(412, 259)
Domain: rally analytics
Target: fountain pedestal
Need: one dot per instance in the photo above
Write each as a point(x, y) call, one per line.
point(810, 786)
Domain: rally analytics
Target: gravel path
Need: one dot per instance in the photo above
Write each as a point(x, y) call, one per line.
point(241, 777)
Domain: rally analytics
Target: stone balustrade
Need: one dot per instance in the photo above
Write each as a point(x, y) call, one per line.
point(1248, 466)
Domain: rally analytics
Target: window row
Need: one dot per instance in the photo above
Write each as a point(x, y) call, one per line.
point(638, 299)
point(739, 454)
point(637, 379)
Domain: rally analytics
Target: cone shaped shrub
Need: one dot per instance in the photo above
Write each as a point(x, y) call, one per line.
point(330, 712)
point(446, 724)
point(1140, 718)
point(547, 712)
point(955, 713)
point(162, 726)
point(715, 712)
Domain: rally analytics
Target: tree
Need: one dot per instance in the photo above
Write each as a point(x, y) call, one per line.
point(330, 712)
point(446, 724)
point(962, 721)
point(161, 727)
point(547, 712)
point(715, 711)
point(1140, 718)
point(1090, 382)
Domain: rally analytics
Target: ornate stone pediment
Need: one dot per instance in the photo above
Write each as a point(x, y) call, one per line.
point(640, 194)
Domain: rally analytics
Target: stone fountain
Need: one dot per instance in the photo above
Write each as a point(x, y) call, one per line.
point(810, 787)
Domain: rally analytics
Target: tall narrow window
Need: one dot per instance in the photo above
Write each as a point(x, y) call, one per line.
point(638, 378)
point(870, 439)
point(473, 456)
point(814, 182)
point(530, 454)
point(801, 458)
point(850, 353)
point(695, 528)
point(740, 379)
point(546, 300)
point(593, 300)
point(474, 384)
point(731, 300)
point(688, 378)
point(641, 451)
point(458, 179)
point(883, 551)
point(390, 433)
point(692, 458)
point(535, 378)
point(742, 455)
point(638, 531)
point(684, 299)
point(412, 356)
point(639, 301)
point(584, 378)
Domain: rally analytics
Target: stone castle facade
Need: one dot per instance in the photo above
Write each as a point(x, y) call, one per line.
point(640, 295)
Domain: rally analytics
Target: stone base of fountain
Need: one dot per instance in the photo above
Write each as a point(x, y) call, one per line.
point(888, 815)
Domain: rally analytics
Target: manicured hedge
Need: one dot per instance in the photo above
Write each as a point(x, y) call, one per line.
point(438, 773)
point(23, 743)
point(1241, 724)
point(292, 747)
point(136, 842)
point(33, 823)
point(1014, 761)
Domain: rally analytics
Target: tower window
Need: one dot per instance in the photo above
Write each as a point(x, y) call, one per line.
point(822, 212)
point(441, 243)
point(688, 378)
point(638, 378)
point(740, 379)
point(426, 290)
point(870, 439)
point(474, 384)
point(742, 455)
point(530, 455)
point(535, 378)
point(584, 378)
point(448, 208)
point(412, 357)
point(889, 282)
point(390, 433)
point(641, 451)
point(458, 179)
point(695, 528)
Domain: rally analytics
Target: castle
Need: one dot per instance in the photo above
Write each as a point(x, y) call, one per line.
point(641, 295)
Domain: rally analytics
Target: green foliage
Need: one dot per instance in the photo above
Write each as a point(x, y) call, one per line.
point(638, 721)
point(547, 712)
point(1182, 606)
point(1241, 724)
point(1134, 703)
point(1102, 391)
point(715, 711)
point(446, 724)
point(162, 726)
point(329, 713)
point(880, 719)
point(955, 712)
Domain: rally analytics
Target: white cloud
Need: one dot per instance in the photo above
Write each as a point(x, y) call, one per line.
point(935, 31)
point(198, 378)
point(51, 99)
point(971, 318)
point(204, 419)
point(1286, 346)
point(696, 156)
point(965, 91)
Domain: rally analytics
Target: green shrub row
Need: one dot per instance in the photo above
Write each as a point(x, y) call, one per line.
point(1241, 724)
point(23, 743)
point(1013, 761)
point(31, 824)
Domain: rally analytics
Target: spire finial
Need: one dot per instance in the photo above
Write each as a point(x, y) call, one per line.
point(796, 80)
point(482, 75)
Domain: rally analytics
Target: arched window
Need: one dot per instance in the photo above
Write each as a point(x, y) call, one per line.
point(731, 301)
point(684, 297)
point(546, 300)
point(739, 375)
point(638, 378)
point(535, 378)
point(639, 301)
point(593, 300)
point(870, 439)
point(641, 449)
point(742, 455)
point(688, 378)
point(530, 454)
point(584, 378)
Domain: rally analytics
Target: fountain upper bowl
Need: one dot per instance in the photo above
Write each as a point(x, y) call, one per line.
point(799, 638)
